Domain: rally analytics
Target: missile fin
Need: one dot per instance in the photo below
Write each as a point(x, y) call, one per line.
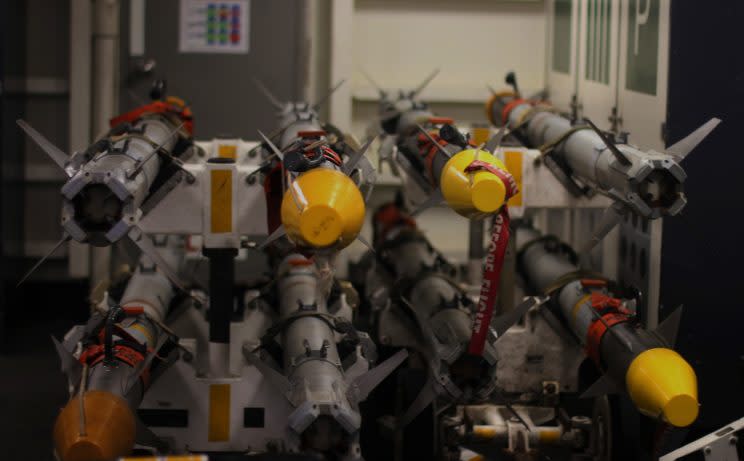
point(511, 409)
point(495, 142)
point(144, 242)
point(379, 89)
point(145, 437)
point(272, 146)
point(279, 232)
point(439, 147)
point(323, 100)
point(424, 84)
point(364, 384)
point(38, 264)
point(366, 243)
point(354, 160)
point(426, 330)
point(141, 162)
point(69, 364)
point(57, 156)
point(423, 399)
point(505, 321)
point(434, 199)
point(619, 155)
point(298, 197)
point(668, 329)
point(684, 146)
point(563, 176)
point(602, 386)
point(269, 95)
point(274, 376)
point(610, 218)
point(491, 89)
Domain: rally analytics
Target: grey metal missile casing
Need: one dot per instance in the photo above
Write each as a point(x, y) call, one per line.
point(102, 200)
point(542, 268)
point(651, 184)
point(152, 290)
point(297, 117)
point(312, 363)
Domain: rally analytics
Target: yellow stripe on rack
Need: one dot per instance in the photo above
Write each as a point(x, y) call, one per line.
point(219, 412)
point(221, 201)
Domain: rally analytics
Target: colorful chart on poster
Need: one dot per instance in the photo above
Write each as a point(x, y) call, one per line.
point(208, 26)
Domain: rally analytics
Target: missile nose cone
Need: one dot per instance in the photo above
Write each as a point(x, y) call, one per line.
point(325, 207)
point(107, 433)
point(661, 383)
point(475, 196)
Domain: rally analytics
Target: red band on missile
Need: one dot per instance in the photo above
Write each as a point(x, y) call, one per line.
point(172, 107)
point(491, 279)
point(94, 355)
point(441, 120)
point(597, 330)
point(593, 283)
point(508, 108)
point(387, 218)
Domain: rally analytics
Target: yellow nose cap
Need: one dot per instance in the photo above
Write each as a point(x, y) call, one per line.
point(326, 208)
point(485, 194)
point(661, 383)
point(109, 428)
point(320, 225)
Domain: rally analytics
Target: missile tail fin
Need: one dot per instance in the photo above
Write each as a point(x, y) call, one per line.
point(602, 386)
point(57, 156)
point(683, 147)
point(364, 384)
point(38, 264)
point(668, 329)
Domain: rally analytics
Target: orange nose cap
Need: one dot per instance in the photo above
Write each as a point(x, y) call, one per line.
point(106, 433)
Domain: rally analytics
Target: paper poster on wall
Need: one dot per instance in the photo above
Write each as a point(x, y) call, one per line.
point(212, 26)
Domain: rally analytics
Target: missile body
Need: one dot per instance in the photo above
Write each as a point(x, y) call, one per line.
point(659, 381)
point(434, 312)
point(311, 358)
point(112, 179)
point(648, 182)
point(117, 367)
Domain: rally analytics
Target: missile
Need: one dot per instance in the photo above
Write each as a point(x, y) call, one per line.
point(587, 160)
point(324, 390)
point(439, 159)
point(322, 205)
point(435, 313)
point(123, 351)
point(658, 380)
point(110, 182)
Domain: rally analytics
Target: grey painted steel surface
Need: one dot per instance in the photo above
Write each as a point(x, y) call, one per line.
point(311, 359)
point(218, 86)
point(651, 184)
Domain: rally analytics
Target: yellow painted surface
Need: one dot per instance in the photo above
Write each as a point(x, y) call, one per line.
point(227, 151)
point(221, 201)
point(662, 384)
point(514, 163)
point(219, 412)
point(324, 208)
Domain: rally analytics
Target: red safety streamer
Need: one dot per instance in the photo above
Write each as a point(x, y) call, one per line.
point(491, 280)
